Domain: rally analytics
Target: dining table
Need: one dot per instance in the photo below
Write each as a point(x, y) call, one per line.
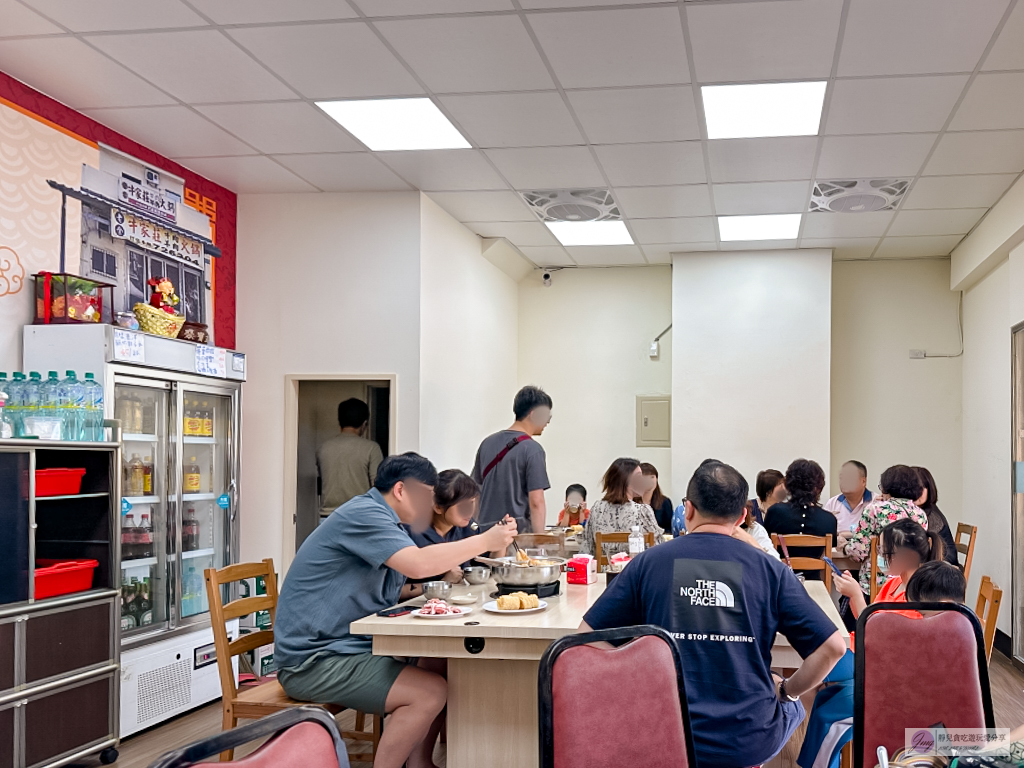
point(493, 661)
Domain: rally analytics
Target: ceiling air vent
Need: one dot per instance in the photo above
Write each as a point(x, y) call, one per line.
point(573, 204)
point(858, 195)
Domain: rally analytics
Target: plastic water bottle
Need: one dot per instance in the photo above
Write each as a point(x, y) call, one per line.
point(92, 409)
point(51, 421)
point(31, 405)
point(15, 403)
point(636, 541)
point(6, 425)
point(70, 401)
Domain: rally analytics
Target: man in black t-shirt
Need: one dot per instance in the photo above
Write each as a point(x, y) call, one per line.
point(724, 600)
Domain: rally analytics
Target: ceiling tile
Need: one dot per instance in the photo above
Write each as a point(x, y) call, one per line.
point(958, 191)
point(519, 232)
point(606, 255)
point(444, 169)
point(195, 66)
point(19, 20)
point(820, 225)
point(113, 15)
point(664, 202)
point(1008, 52)
point(282, 127)
point(662, 252)
point(893, 37)
point(71, 72)
point(981, 152)
point(350, 172)
point(859, 157)
point(993, 101)
point(690, 230)
point(484, 206)
point(272, 11)
point(254, 174)
point(764, 41)
point(417, 7)
point(758, 245)
point(594, 49)
point(469, 53)
point(936, 222)
point(779, 159)
point(514, 119)
point(916, 247)
point(533, 4)
point(761, 197)
point(172, 131)
point(893, 104)
point(640, 165)
point(543, 167)
point(547, 255)
point(844, 249)
point(330, 61)
point(631, 115)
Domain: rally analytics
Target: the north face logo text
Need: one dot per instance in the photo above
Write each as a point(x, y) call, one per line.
point(710, 593)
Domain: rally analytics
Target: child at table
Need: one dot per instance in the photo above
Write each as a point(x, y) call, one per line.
point(575, 511)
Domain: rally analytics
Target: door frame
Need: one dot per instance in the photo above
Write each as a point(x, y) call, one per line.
point(1016, 508)
point(291, 446)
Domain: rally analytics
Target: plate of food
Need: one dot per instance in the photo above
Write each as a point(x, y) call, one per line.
point(439, 609)
point(517, 602)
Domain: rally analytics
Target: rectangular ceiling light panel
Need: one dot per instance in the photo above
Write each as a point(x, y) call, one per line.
point(758, 110)
point(396, 124)
point(590, 232)
point(783, 226)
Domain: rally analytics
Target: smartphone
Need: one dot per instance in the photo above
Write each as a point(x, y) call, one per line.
point(832, 565)
point(390, 613)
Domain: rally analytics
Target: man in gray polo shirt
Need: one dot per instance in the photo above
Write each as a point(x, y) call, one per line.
point(352, 566)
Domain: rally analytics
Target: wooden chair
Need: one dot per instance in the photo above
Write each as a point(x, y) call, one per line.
point(256, 701)
point(967, 550)
point(873, 567)
point(549, 543)
point(987, 608)
point(808, 563)
point(614, 538)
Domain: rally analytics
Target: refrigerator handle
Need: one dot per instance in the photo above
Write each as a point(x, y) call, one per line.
point(233, 492)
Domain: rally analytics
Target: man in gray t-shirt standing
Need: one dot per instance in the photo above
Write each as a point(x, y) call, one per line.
point(347, 462)
point(511, 466)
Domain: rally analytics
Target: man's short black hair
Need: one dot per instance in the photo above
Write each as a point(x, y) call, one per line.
point(527, 399)
point(406, 466)
point(937, 582)
point(577, 488)
point(902, 482)
point(861, 466)
point(717, 491)
point(353, 413)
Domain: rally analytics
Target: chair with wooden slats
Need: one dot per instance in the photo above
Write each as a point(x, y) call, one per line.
point(807, 563)
point(873, 567)
point(967, 550)
point(552, 544)
point(601, 539)
point(987, 608)
point(252, 702)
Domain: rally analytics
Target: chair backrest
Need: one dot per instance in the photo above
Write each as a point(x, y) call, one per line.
point(873, 566)
point(645, 679)
point(549, 543)
point(808, 563)
point(987, 608)
point(600, 539)
point(965, 549)
point(917, 673)
point(221, 613)
point(303, 737)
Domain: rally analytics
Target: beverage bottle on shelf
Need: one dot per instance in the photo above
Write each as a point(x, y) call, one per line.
point(30, 405)
point(136, 476)
point(149, 416)
point(146, 536)
point(136, 414)
point(135, 605)
point(190, 531)
point(51, 418)
point(187, 420)
point(192, 481)
point(197, 419)
point(6, 422)
point(70, 403)
point(128, 546)
point(16, 402)
point(147, 476)
point(127, 604)
point(636, 541)
point(92, 410)
point(207, 413)
point(145, 605)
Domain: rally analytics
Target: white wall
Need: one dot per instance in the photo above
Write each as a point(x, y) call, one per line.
point(468, 333)
point(751, 349)
point(887, 408)
point(327, 284)
point(585, 340)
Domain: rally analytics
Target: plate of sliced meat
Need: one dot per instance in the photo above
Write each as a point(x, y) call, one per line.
point(439, 609)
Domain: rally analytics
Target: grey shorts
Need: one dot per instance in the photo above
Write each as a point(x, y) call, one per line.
point(359, 681)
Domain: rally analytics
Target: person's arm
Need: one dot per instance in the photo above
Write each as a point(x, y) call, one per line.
point(817, 665)
point(648, 522)
point(849, 587)
point(422, 563)
point(376, 457)
point(538, 511)
point(859, 545)
point(584, 627)
point(563, 516)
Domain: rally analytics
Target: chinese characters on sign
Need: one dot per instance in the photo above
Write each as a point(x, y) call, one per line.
point(211, 361)
point(129, 347)
point(145, 199)
point(155, 238)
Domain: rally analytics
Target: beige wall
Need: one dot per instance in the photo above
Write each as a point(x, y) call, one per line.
point(585, 340)
point(887, 408)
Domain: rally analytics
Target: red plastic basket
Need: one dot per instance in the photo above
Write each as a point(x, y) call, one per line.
point(58, 482)
point(62, 577)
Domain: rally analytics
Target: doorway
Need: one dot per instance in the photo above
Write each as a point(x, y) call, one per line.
point(1017, 535)
point(316, 413)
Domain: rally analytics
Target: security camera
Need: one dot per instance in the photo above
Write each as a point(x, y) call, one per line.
point(547, 279)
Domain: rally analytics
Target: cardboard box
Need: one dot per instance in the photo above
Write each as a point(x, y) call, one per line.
point(582, 569)
point(253, 588)
point(261, 659)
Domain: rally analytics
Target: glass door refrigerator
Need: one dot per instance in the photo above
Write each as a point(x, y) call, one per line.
point(179, 506)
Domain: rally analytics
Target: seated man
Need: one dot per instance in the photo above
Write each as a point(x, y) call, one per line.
point(724, 601)
point(352, 566)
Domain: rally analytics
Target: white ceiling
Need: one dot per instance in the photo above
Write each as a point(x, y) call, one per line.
point(563, 93)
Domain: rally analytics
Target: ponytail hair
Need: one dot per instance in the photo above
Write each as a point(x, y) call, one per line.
point(909, 534)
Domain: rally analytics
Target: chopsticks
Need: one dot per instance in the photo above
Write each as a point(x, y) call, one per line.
point(515, 544)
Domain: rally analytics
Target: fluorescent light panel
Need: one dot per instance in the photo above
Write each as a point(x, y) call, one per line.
point(753, 110)
point(396, 124)
point(590, 232)
point(782, 226)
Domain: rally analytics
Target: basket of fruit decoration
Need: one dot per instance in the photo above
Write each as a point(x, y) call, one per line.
point(159, 316)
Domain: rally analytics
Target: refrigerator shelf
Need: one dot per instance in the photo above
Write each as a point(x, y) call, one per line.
point(140, 562)
point(142, 499)
point(198, 496)
point(197, 553)
point(71, 496)
point(138, 438)
point(199, 440)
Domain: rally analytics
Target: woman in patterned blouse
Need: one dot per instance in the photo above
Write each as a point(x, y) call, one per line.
point(900, 486)
point(617, 512)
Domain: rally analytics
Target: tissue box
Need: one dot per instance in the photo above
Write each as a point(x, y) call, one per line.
point(582, 569)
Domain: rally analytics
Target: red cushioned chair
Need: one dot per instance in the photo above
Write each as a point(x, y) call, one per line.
point(917, 673)
point(301, 737)
point(641, 680)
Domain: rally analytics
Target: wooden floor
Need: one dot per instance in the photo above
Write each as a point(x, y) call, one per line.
point(142, 749)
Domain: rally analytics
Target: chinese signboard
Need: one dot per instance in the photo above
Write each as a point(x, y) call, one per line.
point(156, 238)
point(146, 199)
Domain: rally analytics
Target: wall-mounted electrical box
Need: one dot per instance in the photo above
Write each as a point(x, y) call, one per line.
point(653, 421)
